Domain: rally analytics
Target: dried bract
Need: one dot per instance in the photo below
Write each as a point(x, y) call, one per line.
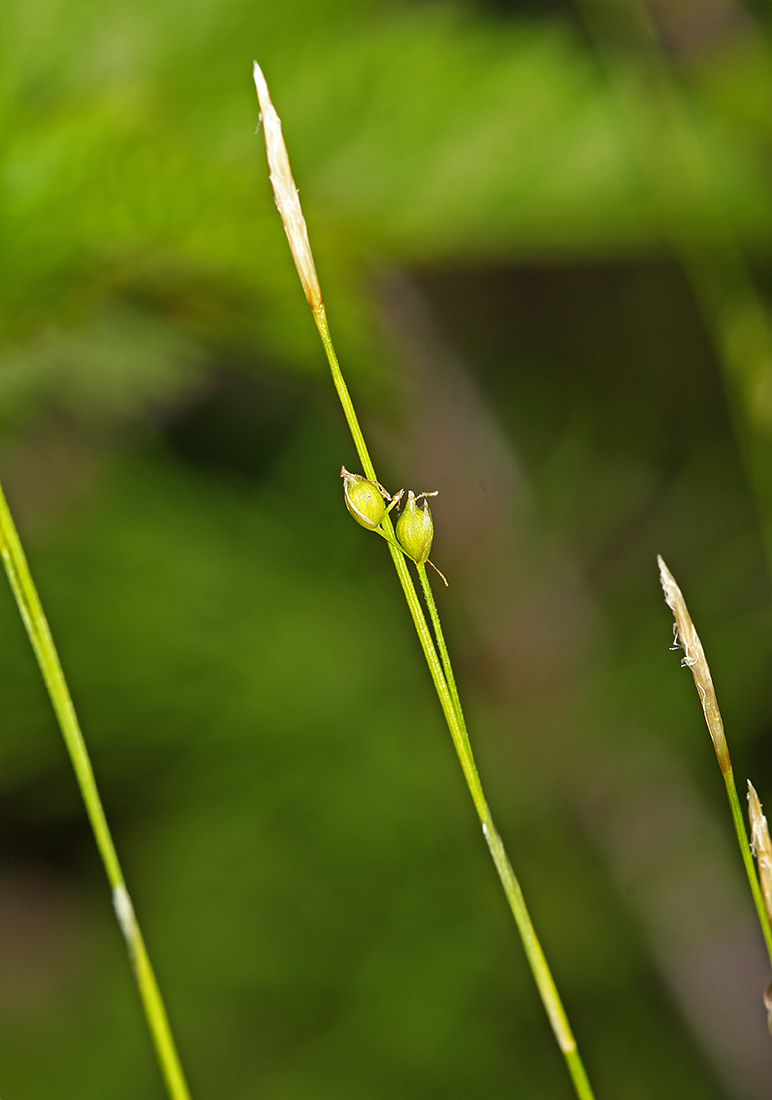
point(761, 846)
point(286, 194)
point(694, 659)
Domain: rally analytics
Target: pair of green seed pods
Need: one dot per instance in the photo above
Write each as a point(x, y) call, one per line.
point(366, 501)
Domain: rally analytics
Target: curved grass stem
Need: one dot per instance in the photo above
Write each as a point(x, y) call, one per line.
point(36, 624)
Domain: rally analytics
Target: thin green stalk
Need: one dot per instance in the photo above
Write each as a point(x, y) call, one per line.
point(745, 848)
point(438, 634)
point(455, 721)
point(28, 601)
point(288, 204)
point(445, 686)
point(534, 953)
point(344, 396)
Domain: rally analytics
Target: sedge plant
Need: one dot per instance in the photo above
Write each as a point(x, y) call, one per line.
point(629, 41)
point(694, 659)
point(411, 539)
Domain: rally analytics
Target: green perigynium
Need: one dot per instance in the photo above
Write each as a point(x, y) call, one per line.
point(364, 500)
point(415, 529)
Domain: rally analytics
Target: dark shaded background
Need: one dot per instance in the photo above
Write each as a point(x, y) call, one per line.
point(532, 224)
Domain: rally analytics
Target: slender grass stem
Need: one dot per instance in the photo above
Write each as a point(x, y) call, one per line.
point(344, 396)
point(36, 624)
point(745, 849)
point(440, 667)
point(444, 682)
point(534, 953)
point(438, 634)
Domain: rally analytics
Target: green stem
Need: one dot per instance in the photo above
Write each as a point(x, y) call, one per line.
point(28, 601)
point(438, 634)
point(348, 405)
point(745, 849)
point(445, 685)
point(538, 963)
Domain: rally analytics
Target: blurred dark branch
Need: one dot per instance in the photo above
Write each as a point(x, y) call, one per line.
point(630, 39)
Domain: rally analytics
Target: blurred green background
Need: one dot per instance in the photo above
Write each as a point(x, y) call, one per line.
point(544, 236)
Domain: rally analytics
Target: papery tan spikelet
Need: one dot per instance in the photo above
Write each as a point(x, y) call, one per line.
point(286, 194)
point(761, 846)
point(694, 659)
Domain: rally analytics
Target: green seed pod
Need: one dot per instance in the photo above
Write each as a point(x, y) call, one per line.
point(415, 529)
point(363, 500)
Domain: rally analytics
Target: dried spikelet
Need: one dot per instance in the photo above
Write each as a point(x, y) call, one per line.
point(286, 194)
point(694, 659)
point(761, 846)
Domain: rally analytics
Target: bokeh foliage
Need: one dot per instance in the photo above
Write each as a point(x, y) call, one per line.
point(296, 835)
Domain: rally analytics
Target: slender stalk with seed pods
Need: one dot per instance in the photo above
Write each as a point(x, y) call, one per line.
point(366, 499)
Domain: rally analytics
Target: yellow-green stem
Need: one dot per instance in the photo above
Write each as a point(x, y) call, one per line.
point(345, 399)
point(745, 848)
point(438, 634)
point(445, 686)
point(538, 963)
point(31, 610)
